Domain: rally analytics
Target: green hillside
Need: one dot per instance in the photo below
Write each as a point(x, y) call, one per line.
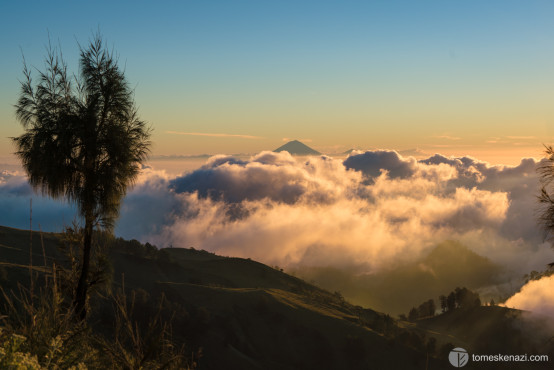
point(397, 288)
point(241, 314)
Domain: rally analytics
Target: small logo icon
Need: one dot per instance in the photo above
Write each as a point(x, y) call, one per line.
point(458, 357)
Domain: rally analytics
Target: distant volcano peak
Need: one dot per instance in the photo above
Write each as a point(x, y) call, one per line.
point(295, 147)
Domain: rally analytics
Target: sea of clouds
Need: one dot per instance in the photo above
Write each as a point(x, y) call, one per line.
point(365, 213)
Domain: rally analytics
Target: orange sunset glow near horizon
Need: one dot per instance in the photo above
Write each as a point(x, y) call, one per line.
point(441, 77)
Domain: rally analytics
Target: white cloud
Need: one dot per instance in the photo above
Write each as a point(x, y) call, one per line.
point(374, 209)
point(521, 137)
point(536, 296)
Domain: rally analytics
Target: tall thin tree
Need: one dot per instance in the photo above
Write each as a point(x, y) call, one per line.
point(546, 197)
point(83, 140)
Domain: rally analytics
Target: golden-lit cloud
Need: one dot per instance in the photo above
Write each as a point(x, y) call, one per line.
point(282, 211)
point(510, 140)
point(373, 209)
point(450, 146)
point(521, 137)
point(536, 296)
point(364, 214)
point(213, 135)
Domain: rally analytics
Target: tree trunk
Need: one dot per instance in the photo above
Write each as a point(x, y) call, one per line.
point(82, 287)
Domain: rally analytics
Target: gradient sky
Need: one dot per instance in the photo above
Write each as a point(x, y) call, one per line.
point(456, 77)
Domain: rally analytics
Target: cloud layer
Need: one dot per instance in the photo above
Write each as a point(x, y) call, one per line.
point(15, 205)
point(370, 212)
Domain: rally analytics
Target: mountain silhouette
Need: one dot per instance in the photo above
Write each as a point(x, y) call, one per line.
point(295, 147)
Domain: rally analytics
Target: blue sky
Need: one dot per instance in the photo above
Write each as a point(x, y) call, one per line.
point(460, 77)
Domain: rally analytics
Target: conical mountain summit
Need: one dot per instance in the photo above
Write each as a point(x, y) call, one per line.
point(295, 147)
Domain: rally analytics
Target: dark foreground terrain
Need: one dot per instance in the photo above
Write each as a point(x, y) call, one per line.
point(233, 313)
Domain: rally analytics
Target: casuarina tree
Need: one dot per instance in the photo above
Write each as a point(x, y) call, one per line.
point(546, 197)
point(83, 140)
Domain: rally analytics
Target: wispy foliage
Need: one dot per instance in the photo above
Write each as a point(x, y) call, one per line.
point(139, 345)
point(39, 327)
point(546, 197)
point(83, 138)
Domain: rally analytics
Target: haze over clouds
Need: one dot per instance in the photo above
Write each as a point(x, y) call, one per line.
point(15, 195)
point(370, 212)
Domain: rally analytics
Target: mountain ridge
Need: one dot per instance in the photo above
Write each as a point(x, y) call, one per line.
point(242, 314)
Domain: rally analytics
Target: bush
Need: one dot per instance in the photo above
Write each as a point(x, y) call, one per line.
point(42, 325)
point(10, 355)
point(39, 328)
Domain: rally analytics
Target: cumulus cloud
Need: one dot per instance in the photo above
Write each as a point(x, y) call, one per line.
point(346, 233)
point(519, 182)
point(373, 210)
point(271, 176)
point(371, 163)
point(536, 296)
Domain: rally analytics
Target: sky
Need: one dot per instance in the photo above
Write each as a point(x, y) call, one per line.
point(455, 77)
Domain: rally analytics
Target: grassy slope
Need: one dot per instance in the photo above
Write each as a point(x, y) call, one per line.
point(246, 315)
point(250, 316)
